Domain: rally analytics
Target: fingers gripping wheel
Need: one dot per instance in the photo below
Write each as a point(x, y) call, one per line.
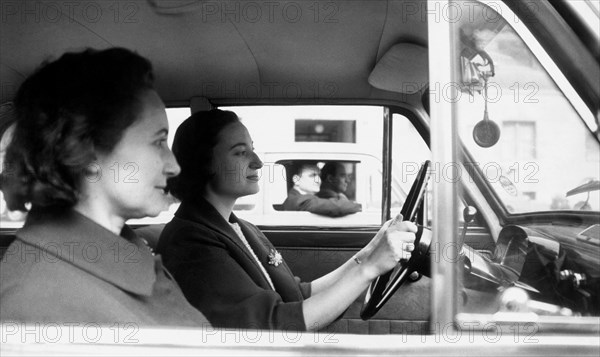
point(384, 286)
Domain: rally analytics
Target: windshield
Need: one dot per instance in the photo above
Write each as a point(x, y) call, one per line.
point(531, 145)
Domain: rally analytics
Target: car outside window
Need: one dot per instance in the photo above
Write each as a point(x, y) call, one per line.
point(287, 136)
point(284, 135)
point(409, 152)
point(349, 135)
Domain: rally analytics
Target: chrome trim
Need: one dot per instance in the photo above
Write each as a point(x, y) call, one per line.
point(132, 340)
point(443, 149)
point(535, 324)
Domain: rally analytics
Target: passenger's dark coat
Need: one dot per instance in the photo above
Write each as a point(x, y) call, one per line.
point(219, 276)
point(330, 193)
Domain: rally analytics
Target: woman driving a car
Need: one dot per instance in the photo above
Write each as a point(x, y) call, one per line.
point(225, 266)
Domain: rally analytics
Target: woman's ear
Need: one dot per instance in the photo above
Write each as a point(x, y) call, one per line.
point(93, 172)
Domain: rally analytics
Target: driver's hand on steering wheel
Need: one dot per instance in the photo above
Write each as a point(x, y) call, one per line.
point(392, 244)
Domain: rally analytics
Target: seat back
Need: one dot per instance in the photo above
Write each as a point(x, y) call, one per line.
point(150, 233)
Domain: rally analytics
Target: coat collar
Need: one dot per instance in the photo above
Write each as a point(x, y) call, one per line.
point(294, 192)
point(124, 261)
point(201, 211)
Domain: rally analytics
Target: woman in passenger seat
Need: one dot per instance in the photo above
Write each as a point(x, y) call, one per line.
point(88, 153)
point(225, 266)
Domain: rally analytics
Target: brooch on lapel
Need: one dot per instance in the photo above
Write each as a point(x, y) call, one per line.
point(148, 246)
point(275, 258)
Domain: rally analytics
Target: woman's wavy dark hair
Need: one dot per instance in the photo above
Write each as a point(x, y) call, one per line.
point(67, 111)
point(193, 147)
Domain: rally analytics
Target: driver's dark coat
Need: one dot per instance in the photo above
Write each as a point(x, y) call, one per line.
point(219, 276)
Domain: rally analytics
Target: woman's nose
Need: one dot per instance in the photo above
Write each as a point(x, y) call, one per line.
point(171, 167)
point(256, 163)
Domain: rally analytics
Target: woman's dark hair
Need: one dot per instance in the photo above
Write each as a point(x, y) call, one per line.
point(193, 147)
point(67, 111)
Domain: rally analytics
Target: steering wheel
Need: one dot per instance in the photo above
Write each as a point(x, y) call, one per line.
point(380, 290)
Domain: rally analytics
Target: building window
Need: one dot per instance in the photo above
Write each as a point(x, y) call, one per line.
point(337, 131)
point(592, 151)
point(519, 140)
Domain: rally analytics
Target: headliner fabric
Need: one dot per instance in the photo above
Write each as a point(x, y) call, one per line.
point(220, 49)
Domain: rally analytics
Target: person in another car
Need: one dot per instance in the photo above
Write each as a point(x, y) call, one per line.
point(81, 119)
point(302, 196)
point(225, 266)
point(334, 181)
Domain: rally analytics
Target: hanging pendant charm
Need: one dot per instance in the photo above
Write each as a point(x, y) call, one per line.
point(275, 258)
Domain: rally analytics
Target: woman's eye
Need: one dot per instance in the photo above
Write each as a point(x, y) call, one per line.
point(160, 142)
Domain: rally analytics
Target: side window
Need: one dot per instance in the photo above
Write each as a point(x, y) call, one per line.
point(326, 158)
point(176, 116)
point(409, 151)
